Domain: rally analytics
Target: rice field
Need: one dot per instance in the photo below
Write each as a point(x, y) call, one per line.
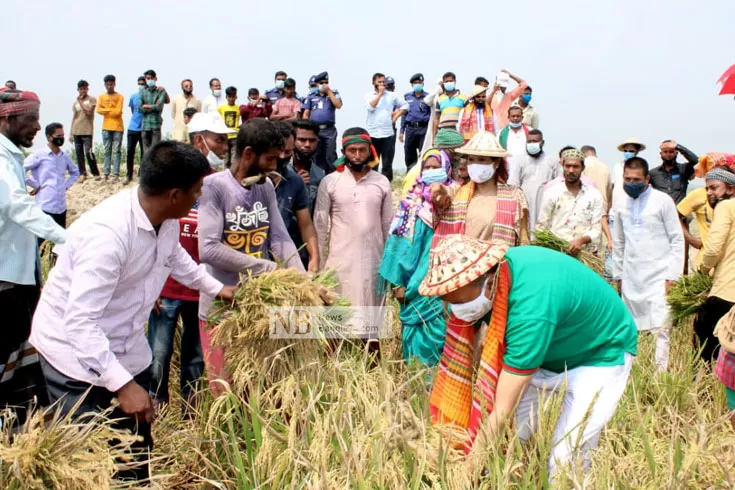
point(320, 420)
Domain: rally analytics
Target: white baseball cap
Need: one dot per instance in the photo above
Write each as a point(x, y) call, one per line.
point(211, 122)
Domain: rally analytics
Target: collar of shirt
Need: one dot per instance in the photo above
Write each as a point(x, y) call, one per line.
point(10, 146)
point(141, 219)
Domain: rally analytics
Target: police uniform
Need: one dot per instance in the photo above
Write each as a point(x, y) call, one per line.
point(415, 123)
point(322, 111)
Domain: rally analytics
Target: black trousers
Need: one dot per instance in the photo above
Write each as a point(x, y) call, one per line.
point(59, 218)
point(326, 152)
point(68, 392)
point(386, 148)
point(412, 144)
point(704, 326)
point(134, 139)
point(83, 148)
point(21, 379)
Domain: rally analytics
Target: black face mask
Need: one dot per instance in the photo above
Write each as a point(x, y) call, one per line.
point(669, 162)
point(357, 167)
point(303, 157)
point(58, 141)
point(281, 165)
point(187, 92)
point(719, 200)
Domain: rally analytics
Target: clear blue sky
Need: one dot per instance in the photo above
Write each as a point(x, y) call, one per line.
point(601, 71)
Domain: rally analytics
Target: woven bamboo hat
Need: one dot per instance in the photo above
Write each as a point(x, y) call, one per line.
point(483, 144)
point(632, 141)
point(458, 260)
point(725, 331)
point(477, 90)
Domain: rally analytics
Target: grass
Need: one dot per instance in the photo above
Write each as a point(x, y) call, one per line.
point(331, 422)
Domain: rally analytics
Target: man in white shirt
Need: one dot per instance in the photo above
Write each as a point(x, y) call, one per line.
point(648, 253)
point(572, 210)
point(215, 99)
point(89, 327)
point(383, 109)
point(534, 171)
point(21, 222)
point(513, 138)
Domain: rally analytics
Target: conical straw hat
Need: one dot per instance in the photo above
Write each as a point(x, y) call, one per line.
point(483, 144)
point(458, 260)
point(632, 141)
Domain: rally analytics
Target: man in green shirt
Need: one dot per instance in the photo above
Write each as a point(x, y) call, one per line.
point(152, 99)
point(554, 321)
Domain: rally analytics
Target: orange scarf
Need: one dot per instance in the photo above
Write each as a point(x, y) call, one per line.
point(453, 400)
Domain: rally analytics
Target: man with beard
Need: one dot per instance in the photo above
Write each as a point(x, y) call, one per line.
point(572, 210)
point(305, 146)
point(648, 253)
point(209, 135)
point(533, 172)
point(477, 115)
point(354, 212)
point(183, 101)
point(718, 254)
point(293, 201)
point(240, 226)
point(22, 221)
point(671, 177)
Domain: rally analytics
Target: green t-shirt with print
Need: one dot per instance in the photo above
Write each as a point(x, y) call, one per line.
point(561, 315)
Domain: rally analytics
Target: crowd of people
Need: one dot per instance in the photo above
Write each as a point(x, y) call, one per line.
point(242, 188)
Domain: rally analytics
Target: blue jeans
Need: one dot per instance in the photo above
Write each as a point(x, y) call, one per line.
point(113, 142)
point(161, 330)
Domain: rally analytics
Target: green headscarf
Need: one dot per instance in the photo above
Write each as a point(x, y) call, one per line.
point(448, 138)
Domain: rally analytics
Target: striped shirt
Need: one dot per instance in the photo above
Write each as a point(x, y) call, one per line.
point(448, 109)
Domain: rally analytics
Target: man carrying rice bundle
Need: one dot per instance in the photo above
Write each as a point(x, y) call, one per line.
point(240, 227)
point(718, 254)
point(554, 323)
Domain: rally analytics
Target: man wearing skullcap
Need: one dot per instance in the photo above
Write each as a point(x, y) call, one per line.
point(321, 107)
point(718, 254)
point(21, 223)
point(573, 210)
point(352, 217)
point(672, 177)
point(415, 122)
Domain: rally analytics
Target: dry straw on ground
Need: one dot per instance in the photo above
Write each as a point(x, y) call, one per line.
point(333, 423)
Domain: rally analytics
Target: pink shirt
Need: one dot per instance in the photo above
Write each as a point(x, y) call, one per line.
point(500, 107)
point(286, 106)
point(90, 320)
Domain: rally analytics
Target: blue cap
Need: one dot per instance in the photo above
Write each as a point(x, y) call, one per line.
point(312, 80)
point(389, 81)
point(321, 76)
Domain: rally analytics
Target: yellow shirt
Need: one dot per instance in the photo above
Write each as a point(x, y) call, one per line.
point(719, 251)
point(696, 203)
point(410, 179)
point(231, 115)
point(111, 107)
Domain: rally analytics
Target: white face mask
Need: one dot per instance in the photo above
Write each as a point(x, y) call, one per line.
point(214, 161)
point(474, 310)
point(216, 93)
point(480, 173)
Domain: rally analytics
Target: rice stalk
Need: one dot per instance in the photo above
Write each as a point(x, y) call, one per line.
point(688, 295)
point(54, 451)
point(546, 239)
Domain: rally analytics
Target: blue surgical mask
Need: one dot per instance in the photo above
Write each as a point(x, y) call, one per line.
point(627, 155)
point(434, 175)
point(634, 189)
point(449, 86)
point(150, 83)
point(418, 87)
point(533, 148)
point(526, 98)
point(515, 125)
point(280, 84)
point(314, 90)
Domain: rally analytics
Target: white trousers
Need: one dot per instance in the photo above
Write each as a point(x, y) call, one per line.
point(590, 400)
point(662, 336)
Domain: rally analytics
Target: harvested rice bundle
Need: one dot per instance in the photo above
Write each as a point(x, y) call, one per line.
point(546, 239)
point(244, 328)
point(61, 453)
point(687, 296)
